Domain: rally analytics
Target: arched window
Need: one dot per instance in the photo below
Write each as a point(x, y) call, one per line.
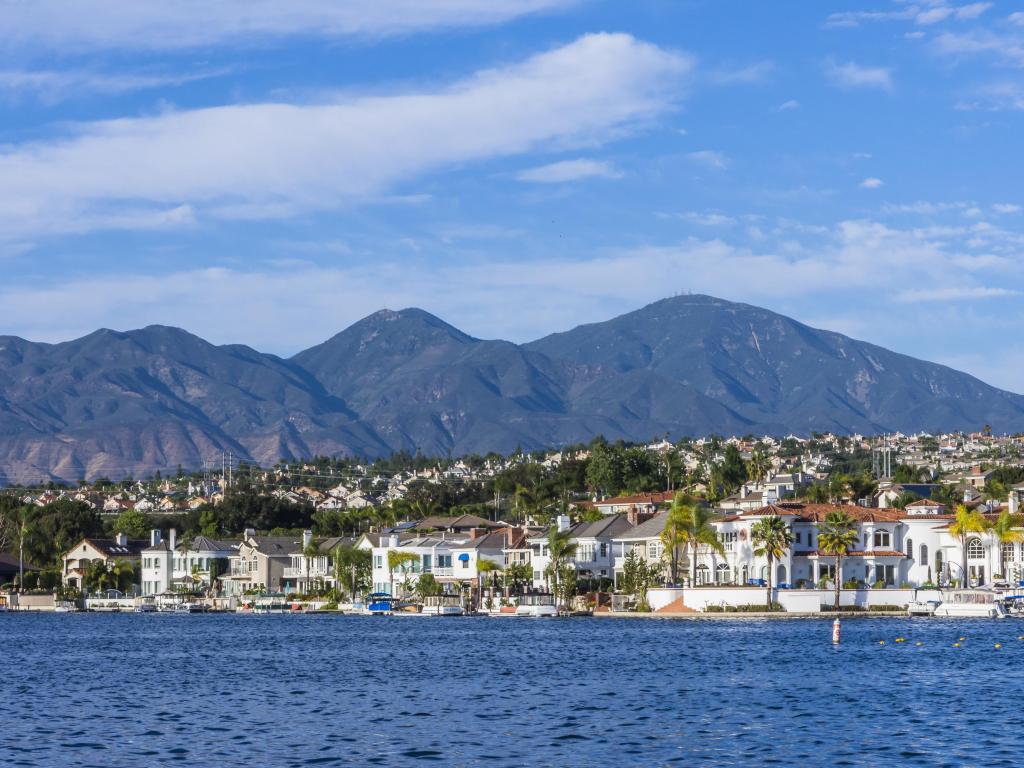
point(975, 550)
point(722, 573)
point(882, 539)
point(910, 548)
point(702, 574)
point(924, 554)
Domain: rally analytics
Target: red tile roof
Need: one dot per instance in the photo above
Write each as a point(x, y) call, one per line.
point(816, 512)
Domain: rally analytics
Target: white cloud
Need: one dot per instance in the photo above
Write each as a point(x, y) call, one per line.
point(278, 159)
point(189, 23)
point(708, 218)
point(709, 158)
point(1016, 18)
point(954, 293)
point(1007, 49)
point(788, 105)
point(852, 75)
point(933, 13)
point(871, 183)
point(1006, 208)
point(54, 85)
point(753, 73)
point(569, 170)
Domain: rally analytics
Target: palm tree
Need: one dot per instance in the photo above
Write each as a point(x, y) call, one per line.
point(560, 548)
point(1005, 531)
point(692, 524)
point(484, 566)
point(772, 537)
point(966, 522)
point(395, 560)
point(758, 466)
point(671, 536)
point(837, 534)
point(309, 551)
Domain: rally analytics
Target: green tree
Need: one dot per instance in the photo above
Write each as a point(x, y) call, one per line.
point(561, 547)
point(638, 577)
point(680, 517)
point(771, 537)
point(208, 523)
point(759, 465)
point(692, 528)
point(1005, 530)
point(131, 522)
point(836, 536)
point(517, 576)
point(967, 521)
point(354, 568)
point(395, 560)
point(427, 586)
point(732, 471)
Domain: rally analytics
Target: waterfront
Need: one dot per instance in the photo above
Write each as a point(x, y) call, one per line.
point(154, 690)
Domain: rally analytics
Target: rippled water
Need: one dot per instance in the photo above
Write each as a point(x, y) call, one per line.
point(154, 690)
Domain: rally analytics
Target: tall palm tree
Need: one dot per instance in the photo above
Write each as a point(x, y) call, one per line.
point(772, 537)
point(309, 551)
point(560, 548)
point(484, 566)
point(759, 465)
point(836, 536)
point(693, 528)
point(1005, 530)
point(967, 521)
point(395, 560)
point(671, 535)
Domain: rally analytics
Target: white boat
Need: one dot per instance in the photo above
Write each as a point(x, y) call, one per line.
point(970, 603)
point(536, 605)
point(65, 606)
point(442, 605)
point(923, 607)
point(191, 608)
point(145, 608)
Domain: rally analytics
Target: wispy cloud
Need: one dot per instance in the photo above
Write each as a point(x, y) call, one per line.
point(1006, 48)
point(51, 86)
point(709, 158)
point(925, 14)
point(96, 24)
point(277, 159)
point(787, 106)
point(871, 183)
point(852, 75)
point(569, 170)
point(750, 74)
point(954, 294)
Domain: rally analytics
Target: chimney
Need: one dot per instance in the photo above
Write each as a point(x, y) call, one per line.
point(154, 537)
point(476, 533)
point(1014, 502)
point(392, 541)
point(307, 538)
point(249, 533)
point(121, 539)
point(563, 522)
point(172, 539)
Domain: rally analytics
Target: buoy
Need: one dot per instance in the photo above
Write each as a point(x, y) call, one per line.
point(901, 640)
point(835, 631)
point(918, 643)
point(956, 645)
point(998, 646)
point(961, 639)
point(1021, 637)
point(881, 642)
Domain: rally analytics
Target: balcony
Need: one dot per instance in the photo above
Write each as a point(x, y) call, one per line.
point(314, 573)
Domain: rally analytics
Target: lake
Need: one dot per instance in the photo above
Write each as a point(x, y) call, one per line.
point(229, 690)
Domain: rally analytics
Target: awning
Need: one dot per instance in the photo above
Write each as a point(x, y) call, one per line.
point(464, 557)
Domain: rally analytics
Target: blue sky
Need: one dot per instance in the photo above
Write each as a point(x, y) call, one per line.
point(268, 173)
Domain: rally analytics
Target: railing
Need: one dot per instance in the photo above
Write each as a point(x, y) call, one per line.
point(300, 573)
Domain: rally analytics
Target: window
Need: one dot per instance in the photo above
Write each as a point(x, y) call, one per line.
point(465, 563)
point(604, 549)
point(924, 554)
point(882, 539)
point(1008, 552)
point(444, 561)
point(799, 538)
point(653, 550)
point(910, 548)
point(975, 550)
point(378, 561)
point(886, 574)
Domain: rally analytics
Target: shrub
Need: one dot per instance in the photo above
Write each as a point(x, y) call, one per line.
point(887, 608)
point(850, 584)
point(843, 608)
point(879, 584)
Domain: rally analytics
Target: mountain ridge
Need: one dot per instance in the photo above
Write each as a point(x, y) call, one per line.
point(129, 402)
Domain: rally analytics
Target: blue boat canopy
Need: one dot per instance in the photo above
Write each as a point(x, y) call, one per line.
point(464, 557)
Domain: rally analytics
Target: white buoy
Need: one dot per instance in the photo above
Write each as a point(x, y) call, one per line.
point(835, 631)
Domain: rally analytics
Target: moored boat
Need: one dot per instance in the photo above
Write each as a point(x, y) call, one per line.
point(970, 603)
point(542, 604)
point(442, 605)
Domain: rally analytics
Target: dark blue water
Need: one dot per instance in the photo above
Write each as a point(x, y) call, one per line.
point(165, 690)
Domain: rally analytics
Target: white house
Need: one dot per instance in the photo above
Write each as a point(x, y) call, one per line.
point(168, 565)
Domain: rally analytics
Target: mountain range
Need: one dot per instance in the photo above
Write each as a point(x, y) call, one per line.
point(116, 403)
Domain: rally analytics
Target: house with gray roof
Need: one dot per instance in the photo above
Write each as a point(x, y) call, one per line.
point(172, 566)
point(259, 563)
point(593, 560)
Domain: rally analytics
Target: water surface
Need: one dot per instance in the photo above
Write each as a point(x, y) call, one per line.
point(226, 690)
